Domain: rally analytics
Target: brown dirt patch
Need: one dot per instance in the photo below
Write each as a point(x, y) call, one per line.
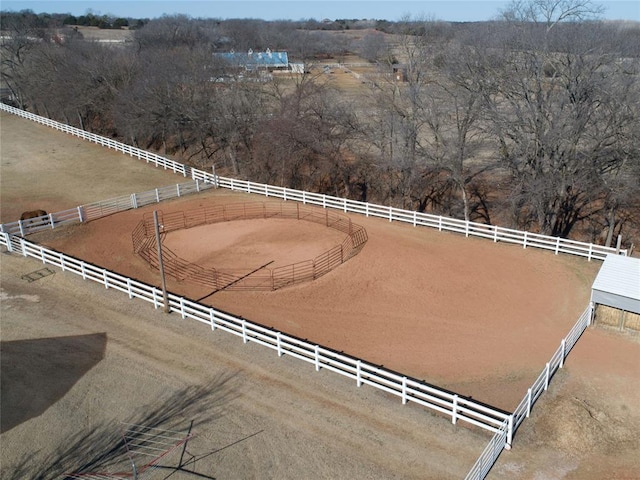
point(249, 244)
point(457, 312)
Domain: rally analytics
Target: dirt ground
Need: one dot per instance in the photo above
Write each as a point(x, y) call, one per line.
point(97, 359)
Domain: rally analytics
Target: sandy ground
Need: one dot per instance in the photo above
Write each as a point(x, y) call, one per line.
point(391, 304)
point(260, 416)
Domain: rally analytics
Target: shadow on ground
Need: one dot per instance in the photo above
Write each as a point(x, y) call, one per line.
point(100, 449)
point(27, 367)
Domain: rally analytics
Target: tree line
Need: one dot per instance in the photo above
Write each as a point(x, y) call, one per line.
point(529, 121)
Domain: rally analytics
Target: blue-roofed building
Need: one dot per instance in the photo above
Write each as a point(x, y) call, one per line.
point(251, 60)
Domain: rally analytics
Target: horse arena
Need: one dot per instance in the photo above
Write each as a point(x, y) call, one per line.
point(474, 317)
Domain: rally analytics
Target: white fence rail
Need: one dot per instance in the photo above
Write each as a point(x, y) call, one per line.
point(474, 229)
point(490, 454)
point(92, 211)
point(157, 160)
point(504, 436)
point(408, 389)
point(495, 233)
point(541, 384)
point(457, 408)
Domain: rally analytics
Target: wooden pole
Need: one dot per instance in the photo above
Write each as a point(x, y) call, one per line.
point(165, 297)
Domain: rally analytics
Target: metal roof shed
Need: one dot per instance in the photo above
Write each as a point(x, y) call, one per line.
point(617, 284)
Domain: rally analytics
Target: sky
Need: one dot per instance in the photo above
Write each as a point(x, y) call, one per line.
point(451, 10)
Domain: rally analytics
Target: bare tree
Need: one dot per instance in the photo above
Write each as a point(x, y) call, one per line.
point(458, 145)
point(556, 115)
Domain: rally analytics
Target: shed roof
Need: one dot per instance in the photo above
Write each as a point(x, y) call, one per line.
point(618, 283)
point(256, 59)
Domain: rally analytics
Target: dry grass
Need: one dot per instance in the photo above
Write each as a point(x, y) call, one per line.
point(619, 319)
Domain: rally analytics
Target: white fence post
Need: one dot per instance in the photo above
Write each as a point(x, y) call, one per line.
point(182, 314)
point(51, 221)
point(524, 241)
point(528, 402)
point(404, 390)
point(358, 373)
point(317, 357)
point(563, 346)
point(106, 279)
point(454, 410)
point(128, 288)
point(21, 228)
point(154, 294)
point(279, 343)
point(510, 433)
point(244, 331)
point(212, 317)
point(134, 201)
point(81, 214)
point(546, 377)
point(7, 239)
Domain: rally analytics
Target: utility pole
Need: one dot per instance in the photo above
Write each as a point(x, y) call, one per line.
point(165, 297)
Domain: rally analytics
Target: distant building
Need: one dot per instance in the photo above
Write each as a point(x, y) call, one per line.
point(251, 60)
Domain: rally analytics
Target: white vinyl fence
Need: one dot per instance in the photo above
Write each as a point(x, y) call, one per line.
point(92, 211)
point(495, 233)
point(557, 361)
point(504, 436)
point(410, 390)
point(456, 407)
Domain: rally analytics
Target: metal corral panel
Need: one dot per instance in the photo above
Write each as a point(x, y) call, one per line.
point(618, 283)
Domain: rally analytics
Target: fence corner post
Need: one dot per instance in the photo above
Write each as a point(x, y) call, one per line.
point(7, 238)
point(507, 445)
